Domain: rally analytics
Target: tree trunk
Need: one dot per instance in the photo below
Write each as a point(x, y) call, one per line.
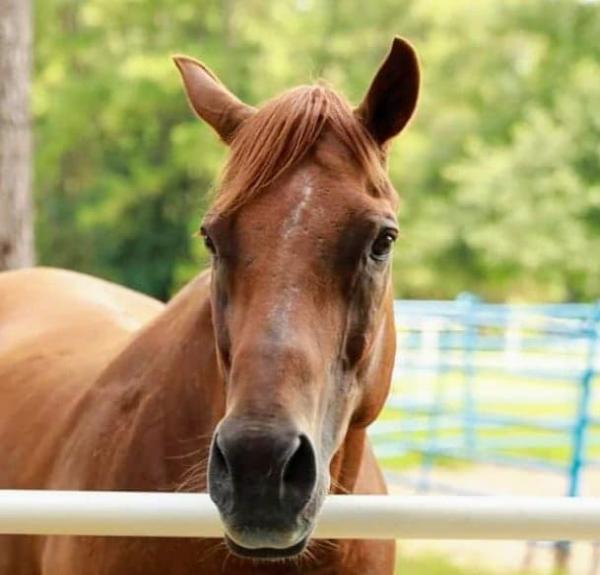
point(16, 210)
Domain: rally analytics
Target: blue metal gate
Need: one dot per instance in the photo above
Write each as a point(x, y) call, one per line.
point(504, 384)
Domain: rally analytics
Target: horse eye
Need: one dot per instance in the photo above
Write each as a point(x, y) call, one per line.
point(208, 243)
point(383, 245)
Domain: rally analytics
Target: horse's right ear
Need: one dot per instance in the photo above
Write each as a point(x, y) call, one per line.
point(210, 99)
point(392, 96)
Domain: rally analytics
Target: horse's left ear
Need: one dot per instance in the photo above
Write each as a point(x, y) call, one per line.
point(392, 96)
point(210, 99)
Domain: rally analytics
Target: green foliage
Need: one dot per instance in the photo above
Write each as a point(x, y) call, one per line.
point(500, 171)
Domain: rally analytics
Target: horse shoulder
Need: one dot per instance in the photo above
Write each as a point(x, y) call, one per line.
point(58, 330)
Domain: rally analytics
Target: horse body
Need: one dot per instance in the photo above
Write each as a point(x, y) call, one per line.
point(58, 331)
point(257, 382)
point(81, 408)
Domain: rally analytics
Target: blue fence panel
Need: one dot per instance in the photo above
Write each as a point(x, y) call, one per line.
point(506, 384)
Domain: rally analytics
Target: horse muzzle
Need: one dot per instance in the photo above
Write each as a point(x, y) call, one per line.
point(263, 479)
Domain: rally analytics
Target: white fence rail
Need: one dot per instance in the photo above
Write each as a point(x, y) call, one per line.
point(343, 517)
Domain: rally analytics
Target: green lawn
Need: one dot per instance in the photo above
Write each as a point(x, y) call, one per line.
point(497, 394)
point(435, 564)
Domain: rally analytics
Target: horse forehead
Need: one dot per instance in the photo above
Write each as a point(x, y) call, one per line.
point(310, 201)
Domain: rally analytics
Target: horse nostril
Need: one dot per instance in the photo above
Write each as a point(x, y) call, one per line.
point(219, 475)
point(300, 474)
point(219, 459)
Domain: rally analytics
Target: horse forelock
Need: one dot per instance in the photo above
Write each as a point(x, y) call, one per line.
point(280, 135)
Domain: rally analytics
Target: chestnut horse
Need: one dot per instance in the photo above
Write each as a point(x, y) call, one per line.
point(257, 382)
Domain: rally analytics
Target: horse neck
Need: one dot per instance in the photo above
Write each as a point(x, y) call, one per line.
point(166, 392)
point(348, 461)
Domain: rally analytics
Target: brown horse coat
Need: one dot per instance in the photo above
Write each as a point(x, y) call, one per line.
point(104, 388)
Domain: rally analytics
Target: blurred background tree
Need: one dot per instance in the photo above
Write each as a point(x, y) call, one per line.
point(500, 171)
point(16, 204)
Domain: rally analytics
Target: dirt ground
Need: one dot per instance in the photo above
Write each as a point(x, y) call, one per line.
point(505, 556)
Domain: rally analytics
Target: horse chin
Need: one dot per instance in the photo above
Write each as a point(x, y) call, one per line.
point(268, 545)
point(287, 540)
point(267, 553)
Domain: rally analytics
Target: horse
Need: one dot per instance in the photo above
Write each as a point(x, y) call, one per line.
point(257, 381)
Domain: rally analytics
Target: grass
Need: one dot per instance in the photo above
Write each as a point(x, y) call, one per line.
point(495, 394)
point(436, 564)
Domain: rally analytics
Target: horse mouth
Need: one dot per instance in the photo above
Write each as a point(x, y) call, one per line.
point(266, 553)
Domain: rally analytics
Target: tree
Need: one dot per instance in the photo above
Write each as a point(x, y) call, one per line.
point(16, 217)
point(499, 172)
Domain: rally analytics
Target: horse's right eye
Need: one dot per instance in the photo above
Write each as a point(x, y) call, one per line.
point(208, 243)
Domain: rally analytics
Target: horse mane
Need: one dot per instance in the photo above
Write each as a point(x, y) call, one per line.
point(282, 132)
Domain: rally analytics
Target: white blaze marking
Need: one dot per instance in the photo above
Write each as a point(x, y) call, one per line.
point(294, 219)
point(283, 307)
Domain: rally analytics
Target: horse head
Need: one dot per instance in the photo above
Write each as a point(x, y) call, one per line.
point(301, 234)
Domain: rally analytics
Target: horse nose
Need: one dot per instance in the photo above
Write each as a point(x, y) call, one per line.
point(261, 477)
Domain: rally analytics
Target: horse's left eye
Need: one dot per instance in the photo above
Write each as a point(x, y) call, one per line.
point(382, 246)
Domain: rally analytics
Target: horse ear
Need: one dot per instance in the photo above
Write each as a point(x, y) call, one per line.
point(392, 96)
point(210, 99)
